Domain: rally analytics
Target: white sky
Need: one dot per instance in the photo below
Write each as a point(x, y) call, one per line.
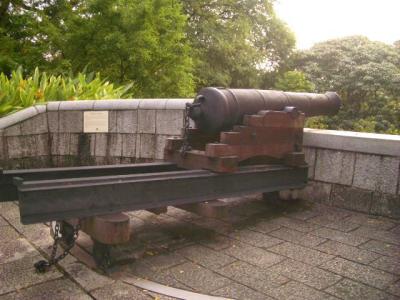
point(319, 20)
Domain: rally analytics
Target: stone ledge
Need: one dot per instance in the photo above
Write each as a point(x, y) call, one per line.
point(19, 116)
point(382, 144)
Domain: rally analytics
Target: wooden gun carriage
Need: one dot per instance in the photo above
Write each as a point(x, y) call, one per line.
point(243, 142)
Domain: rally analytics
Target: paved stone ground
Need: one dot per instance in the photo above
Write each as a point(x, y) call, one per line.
point(256, 250)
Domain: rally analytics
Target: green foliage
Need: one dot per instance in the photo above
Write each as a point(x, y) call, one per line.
point(18, 92)
point(366, 74)
point(294, 81)
point(235, 43)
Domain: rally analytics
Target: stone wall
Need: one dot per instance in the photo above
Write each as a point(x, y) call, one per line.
point(52, 135)
point(358, 171)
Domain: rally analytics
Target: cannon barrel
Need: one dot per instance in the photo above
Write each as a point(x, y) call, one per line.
point(216, 109)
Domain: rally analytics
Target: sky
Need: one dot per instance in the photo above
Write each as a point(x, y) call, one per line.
point(319, 20)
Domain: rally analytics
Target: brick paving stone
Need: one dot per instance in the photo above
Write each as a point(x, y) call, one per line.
point(20, 273)
point(121, 291)
point(7, 234)
point(348, 252)
point(199, 278)
point(254, 238)
point(297, 237)
point(86, 277)
point(395, 229)
point(297, 290)
point(252, 276)
point(295, 224)
point(300, 253)
point(380, 235)
point(349, 289)
point(265, 226)
point(206, 257)
point(239, 292)
point(394, 288)
point(339, 236)
point(327, 218)
point(388, 264)
point(60, 289)
point(309, 275)
point(382, 248)
point(15, 250)
point(164, 261)
point(343, 225)
point(217, 242)
point(361, 273)
point(143, 270)
point(304, 214)
point(3, 222)
point(256, 256)
point(379, 223)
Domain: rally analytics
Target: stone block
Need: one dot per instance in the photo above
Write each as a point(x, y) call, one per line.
point(385, 205)
point(76, 105)
point(147, 121)
point(52, 118)
point(60, 143)
point(115, 145)
point(101, 144)
point(339, 236)
point(119, 290)
point(116, 104)
point(86, 277)
point(360, 273)
point(35, 125)
point(309, 275)
point(146, 146)
point(316, 192)
point(198, 278)
point(17, 117)
point(349, 289)
point(348, 252)
point(74, 144)
point(376, 173)
point(14, 130)
point(21, 146)
point(126, 121)
point(53, 105)
point(41, 108)
point(310, 155)
point(169, 122)
point(351, 198)
point(334, 166)
point(177, 103)
point(42, 144)
point(152, 103)
point(129, 145)
point(2, 147)
point(71, 121)
point(160, 145)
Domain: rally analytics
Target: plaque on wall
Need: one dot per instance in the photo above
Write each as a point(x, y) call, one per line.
point(95, 121)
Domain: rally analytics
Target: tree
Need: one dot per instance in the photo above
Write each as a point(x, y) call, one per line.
point(135, 41)
point(294, 81)
point(367, 76)
point(236, 42)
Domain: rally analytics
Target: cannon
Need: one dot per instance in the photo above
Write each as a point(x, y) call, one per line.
point(219, 109)
point(243, 142)
point(244, 126)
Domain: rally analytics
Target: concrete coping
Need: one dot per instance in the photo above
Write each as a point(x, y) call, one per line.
point(372, 143)
point(84, 105)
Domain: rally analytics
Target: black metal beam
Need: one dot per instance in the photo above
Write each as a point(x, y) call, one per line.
point(8, 192)
point(60, 199)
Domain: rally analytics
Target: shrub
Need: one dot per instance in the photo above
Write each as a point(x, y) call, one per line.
point(18, 92)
